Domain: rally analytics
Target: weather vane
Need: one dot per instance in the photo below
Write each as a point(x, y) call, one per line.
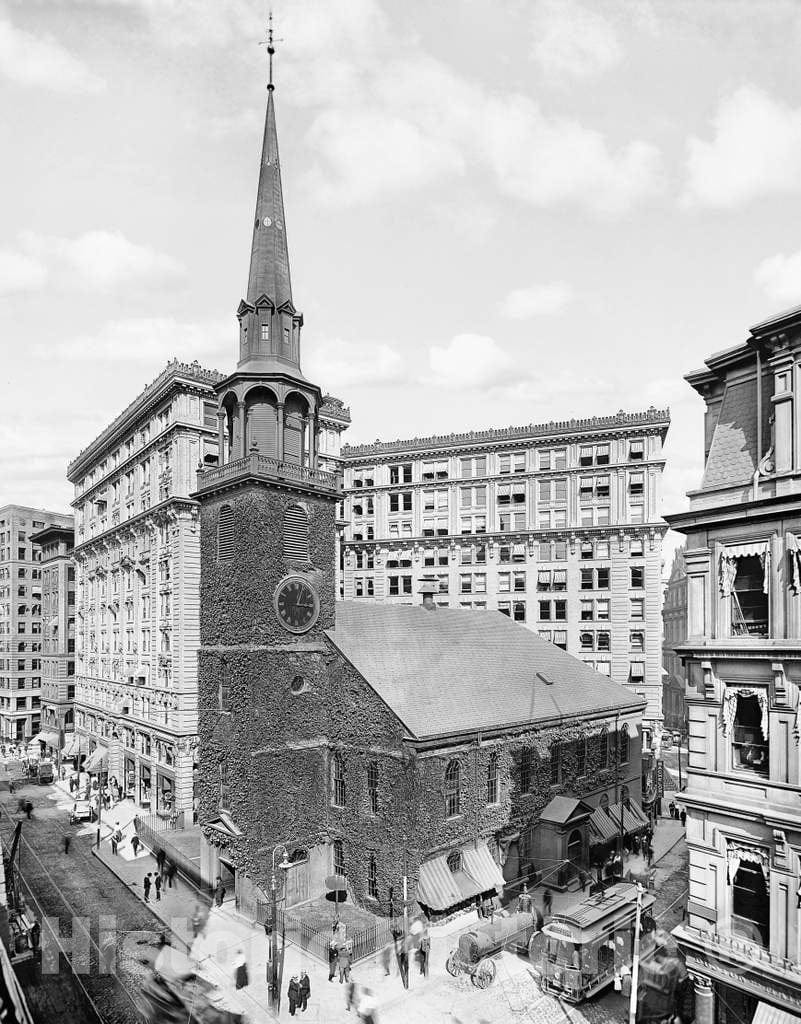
point(269, 42)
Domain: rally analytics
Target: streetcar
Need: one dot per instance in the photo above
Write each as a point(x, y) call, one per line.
point(579, 950)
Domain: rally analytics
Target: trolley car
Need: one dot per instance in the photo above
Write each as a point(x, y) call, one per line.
point(579, 950)
point(477, 948)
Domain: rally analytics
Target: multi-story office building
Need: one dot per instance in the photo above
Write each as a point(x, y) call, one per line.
point(674, 631)
point(742, 655)
point(137, 556)
point(556, 526)
point(58, 635)
point(21, 619)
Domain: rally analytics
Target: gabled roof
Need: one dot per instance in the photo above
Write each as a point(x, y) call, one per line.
point(562, 809)
point(453, 670)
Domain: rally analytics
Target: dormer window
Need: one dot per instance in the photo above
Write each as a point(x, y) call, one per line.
point(265, 333)
point(286, 337)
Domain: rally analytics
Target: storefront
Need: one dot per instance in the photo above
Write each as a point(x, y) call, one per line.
point(165, 794)
point(145, 784)
point(130, 777)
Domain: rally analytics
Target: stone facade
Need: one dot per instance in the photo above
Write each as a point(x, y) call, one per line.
point(21, 619)
point(58, 635)
point(742, 659)
point(674, 632)
point(556, 525)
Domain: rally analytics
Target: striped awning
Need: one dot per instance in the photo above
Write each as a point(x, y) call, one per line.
point(766, 1014)
point(97, 760)
point(50, 738)
point(479, 865)
point(437, 887)
point(605, 823)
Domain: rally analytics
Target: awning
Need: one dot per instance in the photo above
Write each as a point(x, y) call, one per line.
point(767, 1014)
point(97, 760)
point(480, 866)
point(50, 738)
point(437, 887)
point(605, 825)
point(74, 745)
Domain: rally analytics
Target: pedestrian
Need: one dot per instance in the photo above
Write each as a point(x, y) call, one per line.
point(343, 960)
point(67, 840)
point(425, 950)
point(29, 810)
point(294, 994)
point(240, 967)
point(305, 990)
point(113, 841)
point(386, 958)
point(333, 953)
point(35, 935)
point(672, 808)
point(351, 994)
point(367, 1007)
point(197, 921)
point(683, 816)
point(171, 869)
point(97, 839)
point(161, 856)
point(650, 854)
point(146, 883)
point(135, 844)
point(157, 879)
point(219, 891)
point(547, 899)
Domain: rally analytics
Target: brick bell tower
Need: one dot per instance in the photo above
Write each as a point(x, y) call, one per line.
point(267, 515)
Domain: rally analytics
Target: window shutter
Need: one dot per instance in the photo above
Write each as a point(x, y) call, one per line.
point(296, 534)
point(225, 534)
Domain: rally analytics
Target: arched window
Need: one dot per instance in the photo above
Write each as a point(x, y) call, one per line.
point(624, 745)
point(454, 861)
point(528, 760)
point(372, 786)
point(296, 534)
point(453, 800)
point(338, 777)
point(492, 779)
point(225, 534)
point(339, 858)
point(372, 878)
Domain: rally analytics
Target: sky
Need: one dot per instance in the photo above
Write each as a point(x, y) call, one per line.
point(499, 212)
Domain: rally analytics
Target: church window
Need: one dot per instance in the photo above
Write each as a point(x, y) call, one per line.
point(372, 878)
point(296, 534)
point(556, 764)
point(492, 779)
point(338, 776)
point(265, 332)
point(453, 796)
point(372, 786)
point(286, 337)
point(624, 745)
point(225, 534)
point(339, 857)
point(454, 861)
point(298, 684)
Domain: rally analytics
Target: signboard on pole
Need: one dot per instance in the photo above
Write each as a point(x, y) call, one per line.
point(660, 779)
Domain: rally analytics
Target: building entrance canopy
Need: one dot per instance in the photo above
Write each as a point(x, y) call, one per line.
point(440, 888)
point(606, 825)
point(97, 760)
point(50, 738)
point(767, 1014)
point(75, 745)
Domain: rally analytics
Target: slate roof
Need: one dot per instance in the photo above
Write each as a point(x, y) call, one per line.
point(734, 444)
point(562, 808)
point(456, 670)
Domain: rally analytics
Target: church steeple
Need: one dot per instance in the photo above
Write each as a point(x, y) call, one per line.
point(269, 323)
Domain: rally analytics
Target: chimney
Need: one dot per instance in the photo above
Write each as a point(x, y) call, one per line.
point(428, 588)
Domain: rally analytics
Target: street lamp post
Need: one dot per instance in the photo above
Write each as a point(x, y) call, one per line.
point(275, 975)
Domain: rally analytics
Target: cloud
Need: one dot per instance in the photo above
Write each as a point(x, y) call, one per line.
point(339, 364)
point(149, 340)
point(571, 40)
point(31, 60)
point(537, 300)
point(779, 277)
point(20, 273)
point(471, 361)
point(755, 150)
point(97, 260)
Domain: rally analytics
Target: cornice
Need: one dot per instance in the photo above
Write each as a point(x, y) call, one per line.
point(622, 422)
point(164, 510)
point(170, 377)
point(640, 530)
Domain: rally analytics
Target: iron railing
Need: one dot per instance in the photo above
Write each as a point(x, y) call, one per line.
point(363, 943)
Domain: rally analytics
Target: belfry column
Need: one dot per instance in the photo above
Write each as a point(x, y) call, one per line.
point(280, 416)
point(221, 436)
point(240, 418)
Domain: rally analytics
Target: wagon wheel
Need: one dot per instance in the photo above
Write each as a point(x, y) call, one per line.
point(484, 974)
point(452, 964)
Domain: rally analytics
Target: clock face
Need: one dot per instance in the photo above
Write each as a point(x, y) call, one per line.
point(296, 604)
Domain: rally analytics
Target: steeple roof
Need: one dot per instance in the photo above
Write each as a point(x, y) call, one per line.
point(269, 255)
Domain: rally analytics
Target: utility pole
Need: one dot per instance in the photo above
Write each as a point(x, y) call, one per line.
point(635, 961)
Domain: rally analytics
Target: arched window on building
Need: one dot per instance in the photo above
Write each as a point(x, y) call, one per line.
point(492, 778)
point(225, 534)
point(338, 779)
point(296, 534)
point(339, 858)
point(453, 796)
point(623, 748)
point(372, 878)
point(372, 786)
point(454, 861)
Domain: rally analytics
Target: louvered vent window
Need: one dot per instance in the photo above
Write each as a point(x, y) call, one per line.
point(225, 534)
point(296, 534)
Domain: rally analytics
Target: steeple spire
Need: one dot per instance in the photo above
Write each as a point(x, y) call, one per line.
point(269, 255)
